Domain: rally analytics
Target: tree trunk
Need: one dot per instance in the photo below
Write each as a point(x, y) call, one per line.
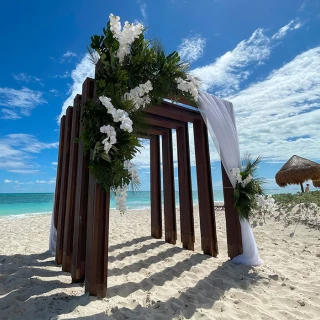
point(301, 185)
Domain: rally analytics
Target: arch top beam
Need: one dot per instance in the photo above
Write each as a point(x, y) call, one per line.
point(163, 121)
point(175, 112)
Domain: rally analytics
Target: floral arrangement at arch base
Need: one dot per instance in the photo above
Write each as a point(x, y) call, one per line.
point(248, 193)
point(133, 74)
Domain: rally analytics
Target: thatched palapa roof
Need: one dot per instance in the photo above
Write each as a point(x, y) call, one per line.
point(316, 183)
point(297, 170)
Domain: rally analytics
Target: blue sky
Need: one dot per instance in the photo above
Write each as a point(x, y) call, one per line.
point(264, 56)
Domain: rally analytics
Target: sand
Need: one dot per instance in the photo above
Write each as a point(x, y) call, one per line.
point(149, 279)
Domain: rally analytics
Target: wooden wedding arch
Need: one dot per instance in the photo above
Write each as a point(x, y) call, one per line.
point(81, 209)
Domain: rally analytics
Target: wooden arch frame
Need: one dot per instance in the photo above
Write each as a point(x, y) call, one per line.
point(81, 209)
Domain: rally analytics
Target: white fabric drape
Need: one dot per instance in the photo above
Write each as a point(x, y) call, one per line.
point(53, 233)
point(219, 117)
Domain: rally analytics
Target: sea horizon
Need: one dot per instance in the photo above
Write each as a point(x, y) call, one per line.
point(17, 204)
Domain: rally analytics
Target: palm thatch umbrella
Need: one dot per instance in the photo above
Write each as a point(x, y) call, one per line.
point(298, 170)
point(316, 183)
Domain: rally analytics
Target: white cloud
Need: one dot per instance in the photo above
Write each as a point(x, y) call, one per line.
point(69, 54)
point(143, 9)
point(292, 25)
point(228, 71)
point(63, 76)
point(51, 181)
point(83, 70)
point(9, 114)
point(280, 116)
point(22, 101)
point(54, 92)
point(17, 152)
point(23, 171)
point(54, 163)
point(22, 77)
point(29, 143)
point(191, 49)
point(224, 76)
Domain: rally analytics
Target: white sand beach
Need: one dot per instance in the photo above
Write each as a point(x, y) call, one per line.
point(149, 279)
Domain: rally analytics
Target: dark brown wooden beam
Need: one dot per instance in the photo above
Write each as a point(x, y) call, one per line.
point(59, 172)
point(157, 131)
point(168, 188)
point(155, 187)
point(205, 193)
point(64, 186)
point(233, 227)
point(163, 122)
point(71, 187)
point(174, 112)
point(97, 240)
point(81, 198)
point(185, 188)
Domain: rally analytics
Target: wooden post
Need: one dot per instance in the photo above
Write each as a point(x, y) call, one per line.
point(155, 187)
point(301, 185)
point(64, 185)
point(71, 189)
point(185, 188)
point(97, 240)
point(59, 172)
point(168, 188)
point(205, 193)
point(81, 198)
point(233, 227)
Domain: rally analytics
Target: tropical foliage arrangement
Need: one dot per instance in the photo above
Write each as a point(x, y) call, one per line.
point(248, 194)
point(132, 74)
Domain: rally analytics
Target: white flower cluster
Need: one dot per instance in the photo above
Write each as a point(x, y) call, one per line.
point(139, 95)
point(190, 85)
point(236, 173)
point(121, 193)
point(117, 114)
point(267, 203)
point(125, 37)
point(132, 171)
point(121, 199)
point(111, 137)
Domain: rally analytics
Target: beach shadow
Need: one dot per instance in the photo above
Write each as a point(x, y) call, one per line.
point(158, 278)
point(203, 295)
point(129, 243)
point(136, 251)
point(45, 307)
point(24, 267)
point(26, 286)
point(146, 263)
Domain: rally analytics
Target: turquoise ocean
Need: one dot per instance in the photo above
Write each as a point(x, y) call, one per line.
point(15, 204)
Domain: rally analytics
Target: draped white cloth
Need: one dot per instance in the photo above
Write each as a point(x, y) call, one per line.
point(53, 233)
point(219, 117)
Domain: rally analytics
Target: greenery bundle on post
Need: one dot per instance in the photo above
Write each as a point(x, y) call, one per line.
point(133, 74)
point(248, 191)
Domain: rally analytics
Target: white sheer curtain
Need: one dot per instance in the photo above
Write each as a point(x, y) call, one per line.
point(219, 117)
point(53, 233)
